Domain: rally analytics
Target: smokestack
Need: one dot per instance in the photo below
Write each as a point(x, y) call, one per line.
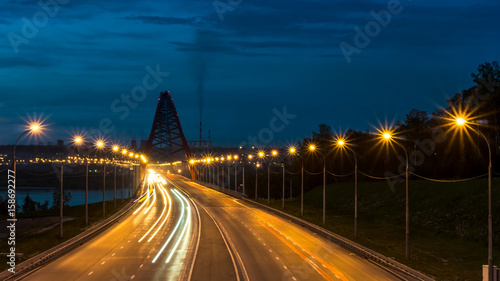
point(200, 133)
point(208, 137)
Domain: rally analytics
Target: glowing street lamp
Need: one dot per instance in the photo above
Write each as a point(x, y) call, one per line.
point(32, 129)
point(99, 144)
point(314, 149)
point(342, 144)
point(78, 140)
point(261, 154)
point(387, 136)
point(462, 123)
point(293, 151)
point(274, 153)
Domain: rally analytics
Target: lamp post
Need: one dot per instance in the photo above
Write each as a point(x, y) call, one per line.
point(124, 153)
point(33, 128)
point(261, 155)
point(256, 174)
point(229, 172)
point(291, 151)
point(115, 150)
point(61, 199)
point(77, 141)
point(250, 157)
point(100, 145)
point(462, 123)
point(314, 149)
point(387, 136)
point(274, 153)
point(235, 157)
point(342, 144)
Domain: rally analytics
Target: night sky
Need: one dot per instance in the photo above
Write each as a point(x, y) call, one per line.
point(236, 61)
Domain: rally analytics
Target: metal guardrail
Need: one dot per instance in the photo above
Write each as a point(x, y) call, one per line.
point(220, 189)
point(344, 242)
point(55, 252)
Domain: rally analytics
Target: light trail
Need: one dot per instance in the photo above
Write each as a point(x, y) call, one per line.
point(175, 229)
point(143, 203)
point(154, 199)
point(186, 224)
point(166, 218)
point(163, 191)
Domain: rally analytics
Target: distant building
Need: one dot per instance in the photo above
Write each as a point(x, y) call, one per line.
point(143, 145)
point(60, 143)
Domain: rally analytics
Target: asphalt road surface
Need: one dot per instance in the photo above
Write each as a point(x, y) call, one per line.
point(267, 247)
point(180, 230)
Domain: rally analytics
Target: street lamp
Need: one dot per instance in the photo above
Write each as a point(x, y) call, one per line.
point(388, 137)
point(235, 157)
point(124, 154)
point(250, 156)
point(462, 123)
point(313, 148)
point(229, 172)
point(261, 155)
point(99, 144)
point(116, 150)
point(274, 153)
point(78, 140)
point(32, 129)
point(293, 151)
point(342, 144)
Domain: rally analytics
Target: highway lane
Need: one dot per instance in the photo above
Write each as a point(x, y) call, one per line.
point(269, 247)
point(157, 240)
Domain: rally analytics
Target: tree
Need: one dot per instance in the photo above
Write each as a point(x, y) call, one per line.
point(416, 124)
point(29, 204)
point(325, 133)
point(43, 207)
point(56, 196)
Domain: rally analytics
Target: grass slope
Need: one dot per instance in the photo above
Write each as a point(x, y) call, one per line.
point(448, 222)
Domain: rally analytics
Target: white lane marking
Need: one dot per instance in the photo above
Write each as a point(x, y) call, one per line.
point(90, 273)
point(132, 277)
point(103, 262)
point(113, 254)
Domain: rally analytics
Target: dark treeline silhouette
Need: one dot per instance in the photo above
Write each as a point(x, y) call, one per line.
point(436, 148)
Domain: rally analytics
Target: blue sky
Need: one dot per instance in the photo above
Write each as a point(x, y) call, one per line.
point(237, 63)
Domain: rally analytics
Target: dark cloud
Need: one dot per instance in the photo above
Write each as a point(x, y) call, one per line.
point(164, 20)
point(16, 61)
